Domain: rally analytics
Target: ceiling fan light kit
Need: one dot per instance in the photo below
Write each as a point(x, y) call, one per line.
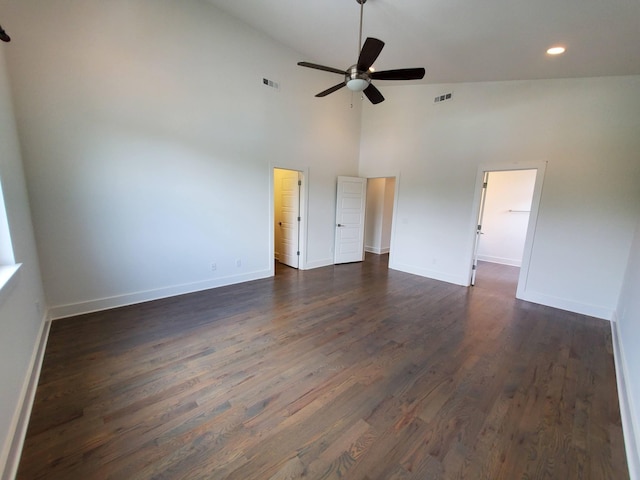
point(356, 81)
point(357, 78)
point(358, 84)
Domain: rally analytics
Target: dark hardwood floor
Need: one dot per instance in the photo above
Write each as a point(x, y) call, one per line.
point(352, 371)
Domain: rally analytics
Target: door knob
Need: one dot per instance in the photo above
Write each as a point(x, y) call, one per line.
point(340, 225)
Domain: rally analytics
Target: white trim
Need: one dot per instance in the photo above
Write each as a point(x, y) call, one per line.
point(70, 310)
point(597, 311)
point(631, 444)
point(12, 450)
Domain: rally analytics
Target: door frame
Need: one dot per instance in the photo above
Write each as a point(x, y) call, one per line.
point(533, 215)
point(304, 213)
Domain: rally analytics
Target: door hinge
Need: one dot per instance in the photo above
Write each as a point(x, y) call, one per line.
point(473, 267)
point(484, 185)
point(299, 182)
point(479, 227)
point(298, 253)
point(299, 219)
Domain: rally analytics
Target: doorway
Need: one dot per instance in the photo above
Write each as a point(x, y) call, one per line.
point(507, 205)
point(379, 214)
point(287, 185)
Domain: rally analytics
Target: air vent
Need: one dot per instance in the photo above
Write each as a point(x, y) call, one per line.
point(443, 98)
point(270, 83)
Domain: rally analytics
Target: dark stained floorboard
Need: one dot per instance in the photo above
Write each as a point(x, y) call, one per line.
point(351, 371)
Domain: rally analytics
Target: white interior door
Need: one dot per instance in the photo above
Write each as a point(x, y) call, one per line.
point(288, 217)
point(483, 198)
point(350, 210)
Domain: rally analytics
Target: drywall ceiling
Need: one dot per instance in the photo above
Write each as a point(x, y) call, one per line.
point(459, 41)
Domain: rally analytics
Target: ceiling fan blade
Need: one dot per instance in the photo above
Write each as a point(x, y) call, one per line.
point(3, 35)
point(370, 51)
point(373, 94)
point(400, 74)
point(321, 67)
point(331, 90)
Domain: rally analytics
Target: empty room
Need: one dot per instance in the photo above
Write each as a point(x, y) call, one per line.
point(197, 282)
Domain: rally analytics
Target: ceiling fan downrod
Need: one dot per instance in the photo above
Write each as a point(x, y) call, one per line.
point(361, 2)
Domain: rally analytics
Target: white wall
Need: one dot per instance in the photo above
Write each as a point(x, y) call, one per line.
point(588, 130)
point(20, 319)
point(506, 216)
point(627, 329)
point(149, 141)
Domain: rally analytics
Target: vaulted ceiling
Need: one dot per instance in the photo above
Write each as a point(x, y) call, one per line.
point(459, 41)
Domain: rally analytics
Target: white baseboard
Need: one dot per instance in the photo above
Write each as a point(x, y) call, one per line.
point(512, 262)
point(434, 274)
point(70, 310)
point(630, 428)
point(10, 458)
point(318, 264)
point(542, 299)
point(571, 306)
point(376, 250)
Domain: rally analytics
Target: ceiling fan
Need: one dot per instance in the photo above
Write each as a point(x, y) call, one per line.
point(358, 77)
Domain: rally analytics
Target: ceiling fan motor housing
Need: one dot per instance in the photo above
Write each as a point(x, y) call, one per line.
point(356, 80)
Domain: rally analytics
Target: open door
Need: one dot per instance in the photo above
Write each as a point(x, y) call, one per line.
point(350, 211)
point(476, 246)
point(287, 216)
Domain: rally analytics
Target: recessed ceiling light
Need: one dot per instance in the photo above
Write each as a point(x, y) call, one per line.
point(556, 50)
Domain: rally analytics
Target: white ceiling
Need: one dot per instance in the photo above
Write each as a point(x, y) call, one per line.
point(456, 40)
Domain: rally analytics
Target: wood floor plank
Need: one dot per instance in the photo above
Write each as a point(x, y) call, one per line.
point(350, 371)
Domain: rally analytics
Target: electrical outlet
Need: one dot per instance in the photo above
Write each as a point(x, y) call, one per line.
point(214, 267)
